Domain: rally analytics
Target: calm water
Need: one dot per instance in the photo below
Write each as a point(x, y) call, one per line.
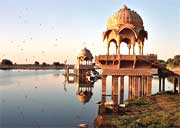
point(35, 99)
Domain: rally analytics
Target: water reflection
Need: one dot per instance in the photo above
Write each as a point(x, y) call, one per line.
point(84, 86)
point(107, 112)
point(37, 99)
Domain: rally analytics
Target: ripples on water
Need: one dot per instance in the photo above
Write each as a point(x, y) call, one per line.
point(40, 98)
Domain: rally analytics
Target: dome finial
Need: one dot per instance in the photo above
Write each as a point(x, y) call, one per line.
point(124, 7)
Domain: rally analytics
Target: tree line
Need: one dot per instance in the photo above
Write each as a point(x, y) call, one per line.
point(10, 62)
point(171, 62)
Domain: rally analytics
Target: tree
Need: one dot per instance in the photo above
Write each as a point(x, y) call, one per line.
point(162, 62)
point(44, 64)
point(6, 62)
point(36, 63)
point(177, 60)
point(56, 63)
point(174, 61)
point(170, 61)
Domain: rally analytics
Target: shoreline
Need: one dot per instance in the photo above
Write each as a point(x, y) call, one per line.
point(159, 110)
point(34, 67)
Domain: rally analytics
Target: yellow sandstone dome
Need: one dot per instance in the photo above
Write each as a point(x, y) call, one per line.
point(124, 16)
point(85, 54)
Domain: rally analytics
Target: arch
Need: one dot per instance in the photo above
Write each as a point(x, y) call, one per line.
point(110, 46)
point(130, 28)
point(126, 40)
point(128, 35)
point(124, 48)
point(125, 43)
point(108, 32)
point(142, 35)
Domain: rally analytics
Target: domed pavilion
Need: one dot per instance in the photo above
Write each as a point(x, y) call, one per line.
point(84, 64)
point(85, 57)
point(125, 26)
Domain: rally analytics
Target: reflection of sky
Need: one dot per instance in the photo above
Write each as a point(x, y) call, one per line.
point(41, 100)
point(37, 98)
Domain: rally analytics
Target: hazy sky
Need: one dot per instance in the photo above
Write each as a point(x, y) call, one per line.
point(55, 30)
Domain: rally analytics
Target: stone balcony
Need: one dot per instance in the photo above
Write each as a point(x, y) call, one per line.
point(125, 61)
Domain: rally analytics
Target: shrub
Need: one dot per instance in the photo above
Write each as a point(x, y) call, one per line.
point(36, 63)
point(6, 62)
point(56, 63)
point(44, 64)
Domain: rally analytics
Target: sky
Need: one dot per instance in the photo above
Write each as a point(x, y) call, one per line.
point(56, 30)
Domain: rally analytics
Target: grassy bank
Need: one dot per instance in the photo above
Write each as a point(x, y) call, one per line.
point(161, 110)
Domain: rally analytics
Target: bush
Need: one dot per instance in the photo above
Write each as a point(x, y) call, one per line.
point(56, 63)
point(44, 64)
point(162, 62)
point(36, 63)
point(6, 62)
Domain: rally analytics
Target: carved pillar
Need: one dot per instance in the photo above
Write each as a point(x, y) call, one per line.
point(133, 87)
point(142, 48)
point(118, 44)
point(121, 89)
point(141, 87)
point(134, 49)
point(116, 50)
point(175, 84)
point(179, 85)
point(149, 83)
point(115, 89)
point(160, 84)
point(136, 87)
point(163, 87)
point(145, 86)
point(133, 42)
point(107, 47)
point(131, 91)
point(103, 78)
point(129, 47)
point(130, 87)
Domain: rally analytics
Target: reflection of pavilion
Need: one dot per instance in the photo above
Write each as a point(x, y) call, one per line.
point(84, 89)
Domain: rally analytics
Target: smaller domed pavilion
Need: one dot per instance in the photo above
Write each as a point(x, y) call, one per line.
point(84, 63)
point(85, 57)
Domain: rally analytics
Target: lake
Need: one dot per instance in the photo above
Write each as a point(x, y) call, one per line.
point(42, 98)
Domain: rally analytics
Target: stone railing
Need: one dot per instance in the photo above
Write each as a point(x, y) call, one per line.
point(149, 57)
